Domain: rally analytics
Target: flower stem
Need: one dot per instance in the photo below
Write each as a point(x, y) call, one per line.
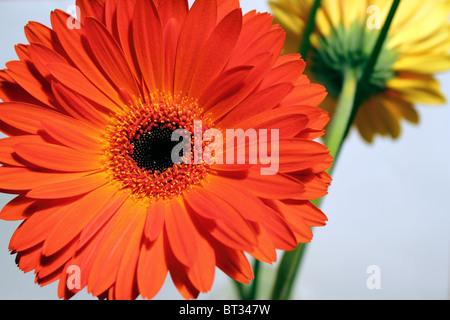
point(338, 127)
point(370, 66)
point(287, 272)
point(290, 263)
point(254, 288)
point(351, 97)
point(250, 292)
point(306, 41)
point(242, 290)
point(303, 50)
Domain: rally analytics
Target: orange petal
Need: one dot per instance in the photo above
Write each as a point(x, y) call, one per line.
point(299, 227)
point(7, 153)
point(79, 107)
point(315, 184)
point(56, 157)
point(12, 92)
point(253, 27)
point(36, 228)
point(123, 227)
point(234, 263)
point(151, 62)
point(75, 218)
point(265, 251)
point(290, 121)
point(257, 103)
point(220, 219)
point(173, 9)
point(318, 119)
point(21, 179)
point(112, 59)
point(63, 289)
point(74, 79)
point(224, 7)
point(155, 220)
point(70, 188)
point(126, 281)
point(271, 41)
point(263, 186)
point(84, 259)
point(28, 78)
point(20, 208)
point(278, 231)
point(309, 212)
point(73, 134)
point(124, 16)
point(49, 265)
point(178, 273)
point(261, 64)
point(42, 55)
point(306, 94)
point(73, 42)
point(171, 35)
point(152, 267)
point(225, 85)
point(288, 71)
point(243, 201)
point(28, 259)
point(202, 272)
point(26, 117)
point(91, 8)
point(109, 21)
point(299, 154)
point(93, 227)
point(216, 52)
point(196, 29)
point(182, 234)
point(38, 33)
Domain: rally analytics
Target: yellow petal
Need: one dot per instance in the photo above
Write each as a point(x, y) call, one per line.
point(364, 125)
point(401, 107)
point(418, 88)
point(286, 17)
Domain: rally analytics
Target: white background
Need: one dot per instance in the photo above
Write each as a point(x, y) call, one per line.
point(388, 206)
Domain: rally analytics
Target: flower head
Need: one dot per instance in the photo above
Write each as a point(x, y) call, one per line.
point(91, 108)
point(417, 46)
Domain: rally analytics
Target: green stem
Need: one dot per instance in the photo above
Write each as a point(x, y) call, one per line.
point(249, 292)
point(304, 48)
point(352, 96)
point(306, 41)
point(338, 127)
point(291, 261)
point(370, 66)
point(254, 288)
point(287, 272)
point(242, 290)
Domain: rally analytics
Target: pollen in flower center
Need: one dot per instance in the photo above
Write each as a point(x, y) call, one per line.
point(153, 150)
point(138, 147)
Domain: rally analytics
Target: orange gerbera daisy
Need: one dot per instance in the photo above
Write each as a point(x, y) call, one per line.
point(90, 109)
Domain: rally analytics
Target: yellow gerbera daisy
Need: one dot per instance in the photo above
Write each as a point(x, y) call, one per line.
point(417, 46)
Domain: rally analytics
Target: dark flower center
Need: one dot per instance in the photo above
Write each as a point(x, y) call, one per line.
point(138, 147)
point(153, 150)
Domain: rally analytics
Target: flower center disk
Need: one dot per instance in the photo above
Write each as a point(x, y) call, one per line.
point(138, 148)
point(153, 150)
